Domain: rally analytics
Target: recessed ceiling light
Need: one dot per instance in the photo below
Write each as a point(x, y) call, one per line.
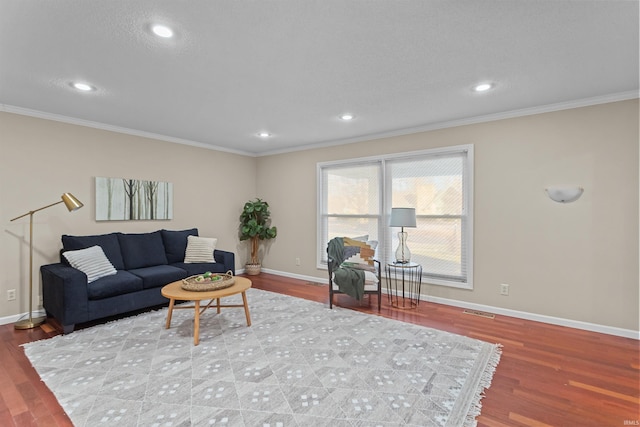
point(84, 87)
point(162, 31)
point(346, 117)
point(483, 87)
point(264, 134)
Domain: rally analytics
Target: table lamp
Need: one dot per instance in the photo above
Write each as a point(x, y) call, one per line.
point(403, 217)
point(72, 204)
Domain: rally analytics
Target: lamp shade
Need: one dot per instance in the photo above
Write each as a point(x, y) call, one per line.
point(71, 202)
point(403, 217)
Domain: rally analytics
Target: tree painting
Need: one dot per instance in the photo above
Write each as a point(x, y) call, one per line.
point(119, 199)
point(130, 191)
point(151, 188)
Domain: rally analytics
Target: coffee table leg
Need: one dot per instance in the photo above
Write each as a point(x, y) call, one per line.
point(218, 305)
point(196, 323)
point(169, 313)
point(246, 308)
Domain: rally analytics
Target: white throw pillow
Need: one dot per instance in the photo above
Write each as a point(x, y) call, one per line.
point(200, 249)
point(92, 262)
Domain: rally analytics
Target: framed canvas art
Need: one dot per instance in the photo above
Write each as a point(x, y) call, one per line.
point(122, 199)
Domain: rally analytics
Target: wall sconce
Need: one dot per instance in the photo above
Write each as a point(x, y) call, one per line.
point(564, 194)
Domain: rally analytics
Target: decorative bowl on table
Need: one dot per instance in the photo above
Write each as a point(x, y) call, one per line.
point(208, 281)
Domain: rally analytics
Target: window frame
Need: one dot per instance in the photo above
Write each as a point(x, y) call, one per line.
point(320, 255)
point(384, 232)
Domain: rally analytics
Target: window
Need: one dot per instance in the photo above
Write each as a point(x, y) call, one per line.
point(356, 197)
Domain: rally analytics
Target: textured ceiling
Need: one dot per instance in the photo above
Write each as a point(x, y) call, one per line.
point(290, 67)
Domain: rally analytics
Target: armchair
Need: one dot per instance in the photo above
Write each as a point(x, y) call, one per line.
point(353, 270)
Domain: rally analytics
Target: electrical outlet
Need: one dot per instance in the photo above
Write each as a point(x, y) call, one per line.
point(11, 295)
point(297, 261)
point(504, 289)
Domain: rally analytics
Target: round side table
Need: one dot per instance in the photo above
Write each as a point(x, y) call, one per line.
point(404, 281)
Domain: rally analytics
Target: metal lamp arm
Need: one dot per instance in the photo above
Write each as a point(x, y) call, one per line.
point(36, 210)
point(72, 204)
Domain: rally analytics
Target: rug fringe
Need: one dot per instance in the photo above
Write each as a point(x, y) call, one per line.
point(468, 404)
point(485, 383)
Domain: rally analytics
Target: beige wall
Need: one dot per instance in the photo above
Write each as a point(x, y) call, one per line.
point(575, 261)
point(41, 159)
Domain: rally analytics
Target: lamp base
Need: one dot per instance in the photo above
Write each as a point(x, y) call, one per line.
point(403, 254)
point(29, 323)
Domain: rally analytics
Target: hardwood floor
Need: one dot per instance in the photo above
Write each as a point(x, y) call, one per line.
point(548, 375)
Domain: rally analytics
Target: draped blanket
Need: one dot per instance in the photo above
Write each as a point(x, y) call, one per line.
point(350, 280)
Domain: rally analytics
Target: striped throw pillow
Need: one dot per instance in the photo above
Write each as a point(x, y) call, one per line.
point(91, 261)
point(200, 249)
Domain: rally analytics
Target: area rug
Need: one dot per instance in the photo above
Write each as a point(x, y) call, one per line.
point(299, 364)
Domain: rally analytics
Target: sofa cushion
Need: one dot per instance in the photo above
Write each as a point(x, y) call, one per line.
point(120, 283)
point(200, 249)
point(142, 250)
point(175, 243)
point(200, 267)
point(91, 261)
point(158, 275)
point(108, 242)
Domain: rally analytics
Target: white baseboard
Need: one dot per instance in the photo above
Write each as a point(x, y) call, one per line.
point(577, 324)
point(16, 317)
point(297, 276)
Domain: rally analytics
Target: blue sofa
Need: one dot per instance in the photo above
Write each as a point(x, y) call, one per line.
point(144, 263)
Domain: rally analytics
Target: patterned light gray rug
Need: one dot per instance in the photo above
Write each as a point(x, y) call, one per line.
point(299, 364)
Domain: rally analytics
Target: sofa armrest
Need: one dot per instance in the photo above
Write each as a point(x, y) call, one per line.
point(64, 294)
point(228, 259)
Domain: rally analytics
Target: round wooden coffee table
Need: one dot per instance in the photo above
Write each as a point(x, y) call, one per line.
point(174, 292)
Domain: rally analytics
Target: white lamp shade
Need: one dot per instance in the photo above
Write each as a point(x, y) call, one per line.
point(403, 217)
point(564, 194)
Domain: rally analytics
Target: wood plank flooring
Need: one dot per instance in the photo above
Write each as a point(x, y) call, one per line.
point(548, 375)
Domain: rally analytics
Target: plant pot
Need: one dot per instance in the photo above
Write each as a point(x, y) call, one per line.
point(252, 269)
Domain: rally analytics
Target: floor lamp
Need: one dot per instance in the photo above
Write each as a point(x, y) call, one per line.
point(72, 204)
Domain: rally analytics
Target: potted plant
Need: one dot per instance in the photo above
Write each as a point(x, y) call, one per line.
point(255, 225)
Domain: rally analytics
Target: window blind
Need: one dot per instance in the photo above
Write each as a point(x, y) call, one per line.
point(356, 197)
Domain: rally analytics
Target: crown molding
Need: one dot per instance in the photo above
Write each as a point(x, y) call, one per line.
point(586, 102)
point(118, 129)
